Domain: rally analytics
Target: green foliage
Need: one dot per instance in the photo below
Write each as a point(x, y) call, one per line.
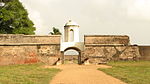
point(14, 19)
point(130, 72)
point(26, 74)
point(55, 31)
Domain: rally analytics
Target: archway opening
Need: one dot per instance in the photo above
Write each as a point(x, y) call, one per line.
point(71, 55)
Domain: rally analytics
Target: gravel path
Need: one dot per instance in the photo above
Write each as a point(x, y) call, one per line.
point(83, 74)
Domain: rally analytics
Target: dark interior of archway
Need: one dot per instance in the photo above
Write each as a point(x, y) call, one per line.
point(71, 56)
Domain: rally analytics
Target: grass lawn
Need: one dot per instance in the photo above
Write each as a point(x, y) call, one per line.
point(26, 74)
point(130, 72)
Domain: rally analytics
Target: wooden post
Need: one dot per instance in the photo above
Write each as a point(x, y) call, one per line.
point(79, 58)
point(62, 57)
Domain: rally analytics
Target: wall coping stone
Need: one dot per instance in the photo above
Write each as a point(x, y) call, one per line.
point(107, 45)
point(42, 35)
point(11, 34)
point(144, 45)
point(106, 36)
point(23, 44)
point(30, 35)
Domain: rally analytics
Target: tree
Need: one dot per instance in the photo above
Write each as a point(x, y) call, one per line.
point(55, 31)
point(14, 19)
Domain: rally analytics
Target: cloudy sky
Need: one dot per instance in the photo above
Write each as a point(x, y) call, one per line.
point(103, 17)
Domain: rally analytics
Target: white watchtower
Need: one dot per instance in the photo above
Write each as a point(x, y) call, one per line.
point(71, 37)
point(71, 32)
point(71, 40)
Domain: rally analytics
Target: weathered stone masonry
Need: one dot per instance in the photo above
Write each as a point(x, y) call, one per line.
point(145, 52)
point(101, 48)
point(21, 49)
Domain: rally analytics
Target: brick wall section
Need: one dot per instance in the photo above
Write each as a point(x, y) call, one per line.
point(99, 49)
point(105, 53)
point(20, 38)
point(29, 53)
point(106, 39)
point(17, 54)
point(145, 52)
point(45, 39)
point(22, 49)
point(11, 38)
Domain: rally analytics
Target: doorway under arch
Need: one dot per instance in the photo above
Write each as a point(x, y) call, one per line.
point(74, 49)
point(71, 56)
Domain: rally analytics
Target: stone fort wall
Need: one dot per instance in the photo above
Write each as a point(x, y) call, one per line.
point(145, 52)
point(106, 39)
point(27, 39)
point(101, 48)
point(21, 49)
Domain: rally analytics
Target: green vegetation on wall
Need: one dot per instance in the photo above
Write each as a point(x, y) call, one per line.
point(14, 19)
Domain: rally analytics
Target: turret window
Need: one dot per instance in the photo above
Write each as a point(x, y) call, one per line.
point(71, 35)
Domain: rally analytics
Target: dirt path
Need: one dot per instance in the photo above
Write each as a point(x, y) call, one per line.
point(83, 74)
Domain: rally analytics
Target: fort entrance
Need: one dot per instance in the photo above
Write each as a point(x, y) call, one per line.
point(71, 42)
point(97, 49)
point(71, 55)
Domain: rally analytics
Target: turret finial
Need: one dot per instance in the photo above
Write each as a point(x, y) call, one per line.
point(70, 20)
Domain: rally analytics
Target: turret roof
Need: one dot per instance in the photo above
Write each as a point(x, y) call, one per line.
point(71, 23)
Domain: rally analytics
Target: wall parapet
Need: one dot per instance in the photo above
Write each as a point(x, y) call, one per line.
point(24, 44)
point(41, 35)
point(107, 45)
point(105, 36)
point(107, 39)
point(26, 39)
point(145, 52)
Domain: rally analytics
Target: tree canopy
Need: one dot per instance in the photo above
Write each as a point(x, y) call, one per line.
point(55, 31)
point(14, 19)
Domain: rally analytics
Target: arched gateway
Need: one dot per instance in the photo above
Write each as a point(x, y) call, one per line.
point(97, 49)
point(72, 48)
point(71, 40)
